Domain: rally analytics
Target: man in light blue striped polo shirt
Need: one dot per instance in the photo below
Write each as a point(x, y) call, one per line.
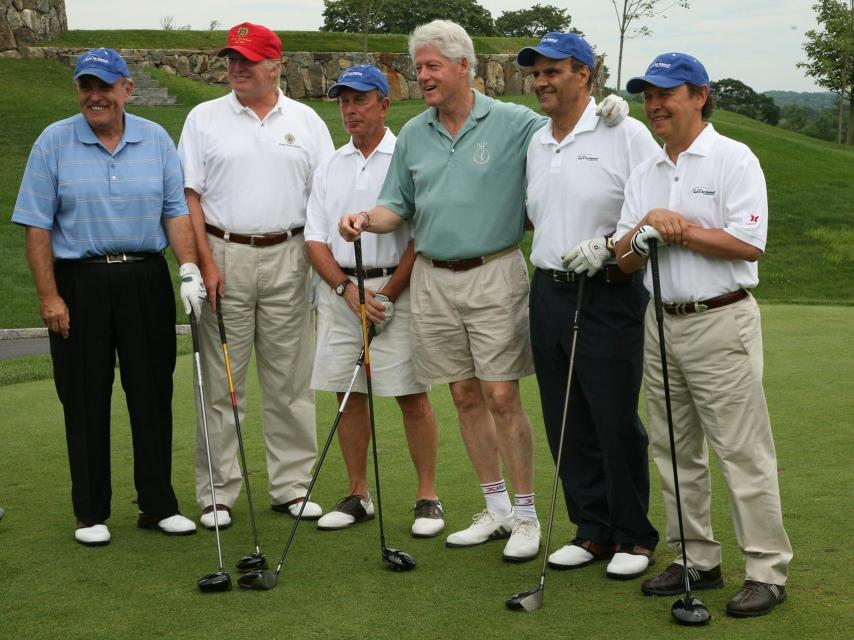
point(101, 197)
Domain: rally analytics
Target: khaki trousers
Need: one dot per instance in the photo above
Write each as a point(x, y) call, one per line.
point(265, 306)
point(714, 361)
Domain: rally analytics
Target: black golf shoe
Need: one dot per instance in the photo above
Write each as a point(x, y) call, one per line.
point(429, 518)
point(755, 599)
point(672, 581)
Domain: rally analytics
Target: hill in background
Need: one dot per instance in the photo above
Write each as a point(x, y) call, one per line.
point(817, 100)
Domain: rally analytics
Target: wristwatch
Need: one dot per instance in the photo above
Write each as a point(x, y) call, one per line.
point(341, 287)
point(609, 244)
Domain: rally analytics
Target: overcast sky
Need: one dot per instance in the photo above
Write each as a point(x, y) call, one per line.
point(755, 41)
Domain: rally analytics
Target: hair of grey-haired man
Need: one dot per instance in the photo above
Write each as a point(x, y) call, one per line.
point(448, 38)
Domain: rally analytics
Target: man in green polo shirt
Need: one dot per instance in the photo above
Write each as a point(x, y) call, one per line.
point(457, 175)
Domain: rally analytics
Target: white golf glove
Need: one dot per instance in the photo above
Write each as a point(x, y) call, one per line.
point(193, 290)
point(388, 310)
point(613, 110)
point(590, 256)
point(640, 241)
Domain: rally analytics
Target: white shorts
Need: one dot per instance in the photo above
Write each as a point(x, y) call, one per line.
point(339, 342)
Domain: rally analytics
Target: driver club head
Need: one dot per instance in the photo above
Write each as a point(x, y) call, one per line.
point(252, 562)
point(398, 560)
point(214, 582)
point(526, 600)
point(690, 612)
point(261, 579)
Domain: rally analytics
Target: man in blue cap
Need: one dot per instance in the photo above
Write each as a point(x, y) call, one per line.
point(576, 170)
point(703, 198)
point(102, 196)
point(351, 180)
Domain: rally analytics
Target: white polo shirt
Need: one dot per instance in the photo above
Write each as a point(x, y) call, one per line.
point(575, 186)
point(716, 183)
point(253, 175)
point(348, 183)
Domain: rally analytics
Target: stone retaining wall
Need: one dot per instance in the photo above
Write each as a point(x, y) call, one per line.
point(23, 22)
point(309, 75)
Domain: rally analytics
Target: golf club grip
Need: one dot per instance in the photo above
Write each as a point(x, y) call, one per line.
point(360, 280)
point(219, 319)
point(656, 282)
point(194, 330)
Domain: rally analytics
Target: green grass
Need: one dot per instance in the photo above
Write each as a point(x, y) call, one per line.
point(291, 41)
point(334, 585)
point(810, 186)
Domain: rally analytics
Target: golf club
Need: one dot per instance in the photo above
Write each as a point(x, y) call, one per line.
point(394, 559)
point(263, 578)
point(219, 580)
point(688, 610)
point(256, 560)
point(533, 599)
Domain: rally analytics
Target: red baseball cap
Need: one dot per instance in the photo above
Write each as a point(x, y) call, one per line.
point(254, 42)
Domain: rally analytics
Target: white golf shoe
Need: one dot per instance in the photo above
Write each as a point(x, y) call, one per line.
point(223, 517)
point(95, 536)
point(524, 542)
point(485, 526)
point(312, 510)
point(349, 510)
point(429, 518)
point(629, 562)
point(174, 525)
point(570, 556)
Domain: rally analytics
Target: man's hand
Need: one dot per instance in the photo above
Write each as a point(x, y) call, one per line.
point(214, 282)
point(192, 288)
point(613, 110)
point(590, 256)
point(55, 314)
point(374, 309)
point(388, 312)
point(672, 226)
point(351, 225)
point(640, 241)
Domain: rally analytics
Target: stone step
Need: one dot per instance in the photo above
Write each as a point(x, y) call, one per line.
point(146, 90)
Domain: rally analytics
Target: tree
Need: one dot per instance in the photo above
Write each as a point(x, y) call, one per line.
point(831, 56)
point(734, 95)
point(402, 16)
point(633, 11)
point(533, 22)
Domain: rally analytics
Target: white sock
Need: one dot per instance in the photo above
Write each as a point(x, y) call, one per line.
point(525, 507)
point(497, 499)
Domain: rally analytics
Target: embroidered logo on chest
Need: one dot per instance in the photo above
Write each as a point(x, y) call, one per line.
point(288, 140)
point(703, 191)
point(752, 219)
point(481, 154)
point(587, 157)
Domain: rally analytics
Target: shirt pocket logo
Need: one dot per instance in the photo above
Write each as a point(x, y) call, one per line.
point(587, 157)
point(703, 191)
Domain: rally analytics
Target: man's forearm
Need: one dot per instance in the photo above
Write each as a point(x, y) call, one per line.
point(197, 220)
point(320, 257)
point(179, 230)
point(40, 257)
point(381, 220)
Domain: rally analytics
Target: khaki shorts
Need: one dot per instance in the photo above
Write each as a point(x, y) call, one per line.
point(471, 324)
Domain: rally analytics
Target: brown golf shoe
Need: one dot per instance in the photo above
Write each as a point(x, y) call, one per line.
point(755, 599)
point(671, 582)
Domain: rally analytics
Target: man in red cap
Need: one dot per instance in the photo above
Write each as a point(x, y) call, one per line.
point(249, 158)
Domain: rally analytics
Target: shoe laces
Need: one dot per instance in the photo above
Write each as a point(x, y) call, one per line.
point(483, 517)
point(525, 527)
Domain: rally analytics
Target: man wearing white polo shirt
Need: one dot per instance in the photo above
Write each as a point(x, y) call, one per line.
point(704, 197)
point(248, 162)
point(576, 169)
point(351, 180)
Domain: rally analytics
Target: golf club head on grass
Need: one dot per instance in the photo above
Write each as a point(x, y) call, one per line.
point(398, 560)
point(252, 562)
point(261, 579)
point(690, 612)
point(526, 600)
point(214, 582)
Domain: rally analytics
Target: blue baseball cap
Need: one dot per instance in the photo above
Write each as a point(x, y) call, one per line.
point(558, 46)
point(362, 77)
point(670, 70)
point(105, 64)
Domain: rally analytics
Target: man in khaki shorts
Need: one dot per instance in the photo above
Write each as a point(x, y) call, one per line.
point(457, 175)
point(351, 179)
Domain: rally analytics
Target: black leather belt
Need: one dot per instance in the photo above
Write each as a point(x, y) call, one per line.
point(372, 272)
point(611, 274)
point(254, 240)
point(117, 258)
point(684, 308)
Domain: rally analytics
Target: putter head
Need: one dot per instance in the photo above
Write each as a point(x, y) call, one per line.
point(214, 582)
point(690, 612)
point(398, 560)
point(260, 579)
point(526, 600)
point(252, 562)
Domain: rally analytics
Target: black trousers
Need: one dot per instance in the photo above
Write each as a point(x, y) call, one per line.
point(604, 468)
point(126, 309)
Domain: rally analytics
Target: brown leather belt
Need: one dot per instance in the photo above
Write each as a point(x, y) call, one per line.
point(254, 240)
point(372, 272)
point(611, 274)
point(469, 263)
point(684, 308)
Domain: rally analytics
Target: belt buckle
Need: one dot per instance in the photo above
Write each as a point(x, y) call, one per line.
point(252, 239)
point(563, 277)
point(115, 258)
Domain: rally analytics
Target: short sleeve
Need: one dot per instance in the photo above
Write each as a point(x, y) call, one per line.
point(38, 202)
point(191, 152)
point(398, 191)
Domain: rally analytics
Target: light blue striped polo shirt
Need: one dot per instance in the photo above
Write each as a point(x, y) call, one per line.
point(95, 202)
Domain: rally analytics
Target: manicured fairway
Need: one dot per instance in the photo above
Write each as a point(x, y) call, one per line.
point(334, 584)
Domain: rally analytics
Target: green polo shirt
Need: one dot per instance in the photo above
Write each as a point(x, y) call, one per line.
point(464, 196)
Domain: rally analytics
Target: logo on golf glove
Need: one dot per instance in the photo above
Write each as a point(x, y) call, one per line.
point(590, 256)
point(640, 241)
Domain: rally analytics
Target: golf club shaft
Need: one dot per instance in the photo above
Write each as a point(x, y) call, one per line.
point(360, 281)
point(194, 329)
point(659, 317)
point(233, 395)
point(575, 323)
